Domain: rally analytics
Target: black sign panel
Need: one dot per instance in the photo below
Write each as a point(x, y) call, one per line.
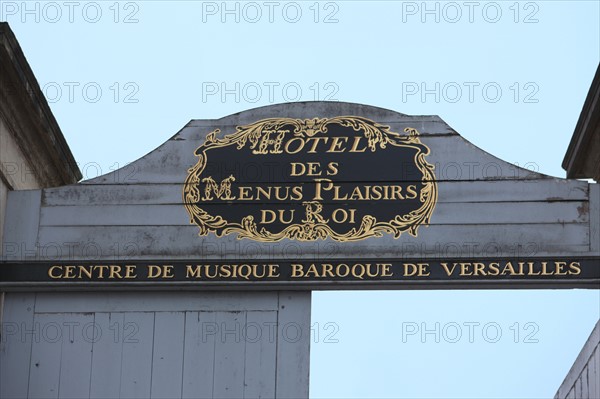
point(347, 178)
point(307, 274)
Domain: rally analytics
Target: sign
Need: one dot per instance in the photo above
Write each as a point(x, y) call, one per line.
point(347, 178)
point(311, 274)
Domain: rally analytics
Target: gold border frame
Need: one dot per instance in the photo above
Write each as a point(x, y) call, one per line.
point(379, 137)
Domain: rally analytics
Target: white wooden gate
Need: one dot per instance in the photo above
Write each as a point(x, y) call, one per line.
point(155, 345)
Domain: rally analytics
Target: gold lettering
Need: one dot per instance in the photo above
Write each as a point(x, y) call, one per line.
point(560, 267)
point(376, 193)
point(312, 269)
point(69, 272)
point(332, 168)
point(574, 268)
point(464, 269)
point(115, 271)
point(273, 271)
point(295, 167)
point(354, 148)
point(192, 271)
point(530, 266)
point(165, 271)
point(336, 195)
point(130, 271)
point(51, 272)
point(243, 193)
point(264, 213)
point(356, 194)
point(385, 270)
point(346, 271)
point(337, 143)
point(265, 192)
point(316, 141)
point(449, 272)
point(300, 142)
point(296, 193)
point(319, 187)
point(313, 212)
point(396, 192)
point(328, 270)
point(411, 192)
point(87, 271)
point(494, 269)
point(418, 269)
point(222, 191)
point(297, 270)
point(546, 272)
point(215, 274)
point(509, 269)
point(478, 269)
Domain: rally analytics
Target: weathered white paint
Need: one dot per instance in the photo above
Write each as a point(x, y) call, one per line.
point(595, 218)
point(16, 345)
point(583, 380)
point(137, 211)
point(16, 170)
point(21, 226)
point(158, 345)
point(106, 355)
point(172, 242)
point(446, 213)
point(554, 190)
point(199, 355)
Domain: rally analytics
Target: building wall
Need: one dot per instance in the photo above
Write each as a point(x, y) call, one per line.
point(33, 151)
point(583, 380)
point(3, 197)
point(15, 173)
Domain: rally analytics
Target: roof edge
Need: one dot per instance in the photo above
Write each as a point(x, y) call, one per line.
point(578, 161)
point(30, 118)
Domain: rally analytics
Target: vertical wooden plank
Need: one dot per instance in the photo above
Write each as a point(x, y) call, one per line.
point(76, 356)
point(136, 364)
point(293, 345)
point(168, 354)
point(594, 217)
point(106, 356)
point(585, 391)
point(595, 381)
point(577, 387)
point(229, 356)
point(571, 394)
point(46, 356)
point(199, 355)
point(15, 344)
point(22, 222)
point(260, 334)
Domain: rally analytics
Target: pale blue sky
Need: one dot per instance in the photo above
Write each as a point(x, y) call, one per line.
point(164, 63)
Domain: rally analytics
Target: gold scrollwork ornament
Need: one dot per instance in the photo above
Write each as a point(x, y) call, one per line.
point(378, 137)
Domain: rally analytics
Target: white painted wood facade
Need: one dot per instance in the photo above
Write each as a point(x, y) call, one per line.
point(583, 380)
point(486, 207)
point(155, 345)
